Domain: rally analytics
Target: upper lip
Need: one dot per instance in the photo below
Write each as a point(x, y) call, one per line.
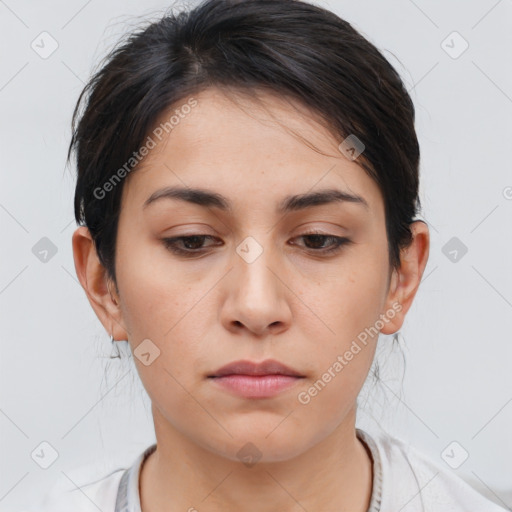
point(267, 367)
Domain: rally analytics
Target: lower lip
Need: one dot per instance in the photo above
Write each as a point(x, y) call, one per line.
point(256, 386)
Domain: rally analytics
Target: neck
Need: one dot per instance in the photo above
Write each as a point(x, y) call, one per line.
point(334, 474)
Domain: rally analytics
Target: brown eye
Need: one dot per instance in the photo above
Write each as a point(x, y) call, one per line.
point(317, 242)
point(185, 245)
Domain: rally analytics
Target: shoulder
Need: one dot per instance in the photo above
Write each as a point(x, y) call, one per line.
point(84, 495)
point(409, 481)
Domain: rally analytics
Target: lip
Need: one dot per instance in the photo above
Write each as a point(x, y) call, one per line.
point(249, 379)
point(245, 367)
point(255, 386)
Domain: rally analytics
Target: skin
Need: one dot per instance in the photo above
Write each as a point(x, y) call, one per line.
point(291, 304)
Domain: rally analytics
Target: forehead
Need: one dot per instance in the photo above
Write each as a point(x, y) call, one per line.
point(246, 147)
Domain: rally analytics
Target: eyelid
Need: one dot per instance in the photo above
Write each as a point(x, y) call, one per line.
point(170, 243)
point(339, 242)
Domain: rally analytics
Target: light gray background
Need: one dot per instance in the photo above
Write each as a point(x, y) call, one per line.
point(57, 383)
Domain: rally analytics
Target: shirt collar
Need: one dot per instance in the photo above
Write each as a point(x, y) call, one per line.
point(128, 496)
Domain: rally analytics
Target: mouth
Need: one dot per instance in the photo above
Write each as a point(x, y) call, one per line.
point(250, 368)
point(255, 380)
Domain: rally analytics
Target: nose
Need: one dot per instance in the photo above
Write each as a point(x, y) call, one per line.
point(257, 295)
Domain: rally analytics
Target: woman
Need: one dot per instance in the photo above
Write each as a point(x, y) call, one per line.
point(247, 192)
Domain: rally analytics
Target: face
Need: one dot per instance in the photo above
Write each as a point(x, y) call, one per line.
point(253, 276)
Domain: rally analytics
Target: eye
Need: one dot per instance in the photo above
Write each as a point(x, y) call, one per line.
point(193, 244)
point(318, 239)
point(188, 245)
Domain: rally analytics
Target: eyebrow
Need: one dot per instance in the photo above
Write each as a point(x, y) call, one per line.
point(209, 199)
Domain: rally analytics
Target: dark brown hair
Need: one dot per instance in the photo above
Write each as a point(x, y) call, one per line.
point(289, 47)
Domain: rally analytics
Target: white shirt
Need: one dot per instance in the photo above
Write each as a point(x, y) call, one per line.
point(403, 480)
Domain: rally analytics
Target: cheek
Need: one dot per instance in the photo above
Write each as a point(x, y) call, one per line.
point(342, 334)
point(344, 356)
point(164, 305)
point(155, 293)
point(347, 298)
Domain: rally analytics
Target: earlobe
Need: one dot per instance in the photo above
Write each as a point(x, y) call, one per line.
point(406, 279)
point(92, 276)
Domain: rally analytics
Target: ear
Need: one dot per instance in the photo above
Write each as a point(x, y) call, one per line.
point(93, 278)
point(406, 279)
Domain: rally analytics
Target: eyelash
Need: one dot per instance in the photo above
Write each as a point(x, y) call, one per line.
point(339, 242)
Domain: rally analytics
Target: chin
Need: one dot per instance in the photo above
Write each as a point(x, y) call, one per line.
point(261, 445)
